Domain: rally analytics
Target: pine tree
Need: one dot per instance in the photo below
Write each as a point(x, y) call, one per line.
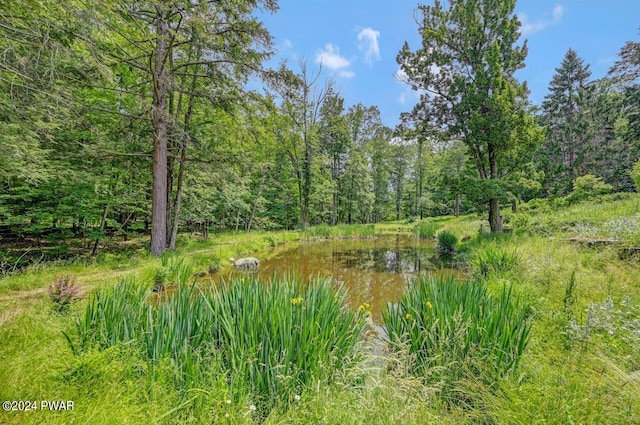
point(564, 114)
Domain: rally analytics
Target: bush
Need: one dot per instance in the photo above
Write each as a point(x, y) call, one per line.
point(455, 330)
point(588, 187)
point(64, 291)
point(446, 246)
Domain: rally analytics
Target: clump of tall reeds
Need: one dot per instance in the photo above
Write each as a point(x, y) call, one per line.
point(492, 261)
point(447, 244)
point(426, 230)
point(274, 339)
point(454, 330)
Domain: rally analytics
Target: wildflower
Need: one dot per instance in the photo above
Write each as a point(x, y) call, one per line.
point(408, 316)
point(295, 301)
point(228, 401)
point(429, 305)
point(253, 408)
point(296, 397)
point(365, 308)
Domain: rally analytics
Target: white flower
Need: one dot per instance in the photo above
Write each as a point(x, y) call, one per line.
point(253, 408)
point(296, 397)
point(228, 401)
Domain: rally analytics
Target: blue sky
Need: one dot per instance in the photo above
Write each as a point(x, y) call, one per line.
point(357, 42)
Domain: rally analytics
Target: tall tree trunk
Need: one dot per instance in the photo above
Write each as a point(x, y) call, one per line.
point(160, 138)
point(495, 218)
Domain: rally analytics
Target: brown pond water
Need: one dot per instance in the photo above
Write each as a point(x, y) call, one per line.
point(374, 271)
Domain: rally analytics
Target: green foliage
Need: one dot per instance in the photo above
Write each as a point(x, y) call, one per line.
point(275, 339)
point(493, 261)
point(635, 175)
point(488, 108)
point(446, 245)
point(301, 334)
point(426, 230)
point(588, 187)
point(455, 330)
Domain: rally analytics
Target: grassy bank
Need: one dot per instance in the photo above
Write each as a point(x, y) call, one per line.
point(581, 363)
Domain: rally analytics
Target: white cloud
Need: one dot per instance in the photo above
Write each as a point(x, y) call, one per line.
point(346, 74)
point(529, 27)
point(287, 44)
point(330, 57)
point(558, 11)
point(402, 98)
point(368, 38)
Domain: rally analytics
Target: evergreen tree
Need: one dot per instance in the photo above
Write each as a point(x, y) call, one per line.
point(466, 68)
point(564, 115)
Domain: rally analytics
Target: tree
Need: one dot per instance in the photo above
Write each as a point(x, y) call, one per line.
point(626, 73)
point(174, 45)
point(302, 100)
point(334, 140)
point(564, 115)
point(465, 68)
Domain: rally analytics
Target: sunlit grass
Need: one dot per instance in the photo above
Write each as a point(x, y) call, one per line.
point(559, 379)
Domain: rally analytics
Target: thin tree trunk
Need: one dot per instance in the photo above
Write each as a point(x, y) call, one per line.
point(178, 201)
point(103, 224)
point(255, 201)
point(182, 163)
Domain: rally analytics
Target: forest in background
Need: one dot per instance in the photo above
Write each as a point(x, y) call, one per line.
point(120, 118)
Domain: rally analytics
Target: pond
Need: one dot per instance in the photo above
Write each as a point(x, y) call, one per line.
point(374, 271)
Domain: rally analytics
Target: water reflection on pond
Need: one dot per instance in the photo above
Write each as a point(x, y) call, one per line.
point(374, 271)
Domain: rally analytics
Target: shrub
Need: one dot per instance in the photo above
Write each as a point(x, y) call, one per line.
point(588, 187)
point(456, 330)
point(491, 261)
point(64, 291)
point(426, 230)
point(446, 246)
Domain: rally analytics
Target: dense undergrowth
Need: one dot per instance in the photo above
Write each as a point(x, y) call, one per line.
point(565, 349)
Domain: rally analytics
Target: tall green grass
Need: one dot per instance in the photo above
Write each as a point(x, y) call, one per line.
point(275, 339)
point(426, 230)
point(279, 339)
point(446, 245)
point(324, 231)
point(493, 261)
point(455, 330)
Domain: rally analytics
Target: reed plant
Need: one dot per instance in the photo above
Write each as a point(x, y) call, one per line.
point(426, 230)
point(275, 339)
point(278, 339)
point(455, 330)
point(446, 245)
point(493, 261)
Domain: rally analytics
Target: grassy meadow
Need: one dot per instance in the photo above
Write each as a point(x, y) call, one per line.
point(545, 330)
